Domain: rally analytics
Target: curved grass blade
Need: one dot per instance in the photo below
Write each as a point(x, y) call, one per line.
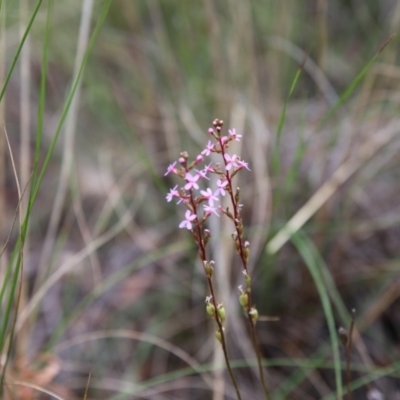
point(306, 250)
point(350, 89)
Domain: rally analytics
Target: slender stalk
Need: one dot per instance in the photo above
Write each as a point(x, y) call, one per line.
point(237, 220)
point(348, 354)
point(200, 241)
point(25, 162)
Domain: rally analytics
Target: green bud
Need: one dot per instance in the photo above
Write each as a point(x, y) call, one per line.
point(244, 300)
point(253, 315)
point(227, 212)
point(246, 253)
point(210, 310)
point(247, 279)
point(218, 335)
point(221, 313)
point(237, 195)
point(209, 269)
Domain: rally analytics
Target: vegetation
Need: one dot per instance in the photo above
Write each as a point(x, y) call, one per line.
point(102, 295)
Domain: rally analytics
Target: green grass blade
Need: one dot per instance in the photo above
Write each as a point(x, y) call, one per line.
point(37, 183)
point(350, 89)
point(282, 118)
point(303, 246)
point(71, 94)
point(21, 44)
point(13, 273)
point(392, 370)
point(42, 92)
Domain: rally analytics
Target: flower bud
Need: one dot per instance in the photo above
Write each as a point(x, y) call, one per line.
point(237, 195)
point(240, 227)
point(210, 310)
point(209, 269)
point(246, 253)
point(247, 279)
point(227, 212)
point(218, 335)
point(199, 159)
point(244, 300)
point(253, 315)
point(221, 312)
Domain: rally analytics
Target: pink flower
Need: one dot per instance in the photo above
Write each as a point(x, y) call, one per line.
point(209, 148)
point(208, 168)
point(234, 135)
point(203, 174)
point(172, 193)
point(187, 222)
point(199, 159)
point(221, 186)
point(208, 194)
point(191, 181)
point(210, 209)
point(243, 164)
point(171, 168)
point(231, 161)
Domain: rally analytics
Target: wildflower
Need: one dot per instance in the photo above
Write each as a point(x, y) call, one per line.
point(208, 168)
point(243, 164)
point(209, 269)
point(210, 309)
point(187, 222)
point(253, 314)
point(234, 135)
point(209, 148)
point(202, 174)
point(199, 159)
point(172, 193)
point(171, 168)
point(221, 187)
point(231, 161)
point(221, 312)
point(191, 181)
point(208, 194)
point(210, 209)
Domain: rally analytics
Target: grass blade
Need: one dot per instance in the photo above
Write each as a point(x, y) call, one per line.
point(306, 250)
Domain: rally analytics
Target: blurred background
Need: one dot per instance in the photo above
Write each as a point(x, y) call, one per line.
point(104, 95)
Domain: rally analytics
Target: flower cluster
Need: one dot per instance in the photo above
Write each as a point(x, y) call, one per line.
point(201, 200)
point(190, 193)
